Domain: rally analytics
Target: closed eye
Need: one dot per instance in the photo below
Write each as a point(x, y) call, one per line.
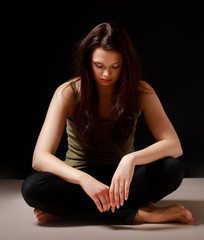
point(98, 65)
point(116, 66)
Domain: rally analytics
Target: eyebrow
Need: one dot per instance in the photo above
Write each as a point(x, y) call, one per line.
point(103, 64)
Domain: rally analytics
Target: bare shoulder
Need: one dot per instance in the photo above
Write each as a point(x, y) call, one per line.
point(64, 95)
point(147, 94)
point(145, 87)
point(65, 90)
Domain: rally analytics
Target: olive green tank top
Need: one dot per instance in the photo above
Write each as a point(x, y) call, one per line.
point(103, 151)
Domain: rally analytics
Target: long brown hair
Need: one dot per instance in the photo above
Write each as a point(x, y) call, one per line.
point(126, 107)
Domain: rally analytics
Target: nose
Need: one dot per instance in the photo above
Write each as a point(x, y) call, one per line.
point(106, 73)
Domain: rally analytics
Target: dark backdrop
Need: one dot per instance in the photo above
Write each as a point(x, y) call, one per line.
point(38, 40)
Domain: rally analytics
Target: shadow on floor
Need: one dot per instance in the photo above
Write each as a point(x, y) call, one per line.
point(196, 207)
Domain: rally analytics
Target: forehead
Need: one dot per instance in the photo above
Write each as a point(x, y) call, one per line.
point(106, 56)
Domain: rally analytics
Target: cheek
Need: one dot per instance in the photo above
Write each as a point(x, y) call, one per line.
point(96, 72)
point(117, 73)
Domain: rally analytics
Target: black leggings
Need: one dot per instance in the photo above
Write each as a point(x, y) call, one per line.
point(150, 183)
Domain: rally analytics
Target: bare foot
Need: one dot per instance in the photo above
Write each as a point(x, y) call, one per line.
point(44, 217)
point(153, 214)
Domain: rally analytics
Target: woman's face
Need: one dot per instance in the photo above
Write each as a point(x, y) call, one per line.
point(106, 66)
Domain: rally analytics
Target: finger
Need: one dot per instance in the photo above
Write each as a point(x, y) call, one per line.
point(107, 200)
point(111, 195)
point(112, 200)
point(103, 203)
point(121, 192)
point(98, 204)
point(116, 195)
point(113, 208)
point(127, 187)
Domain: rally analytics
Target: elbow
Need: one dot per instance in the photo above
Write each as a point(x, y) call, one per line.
point(39, 160)
point(174, 148)
point(178, 151)
point(35, 164)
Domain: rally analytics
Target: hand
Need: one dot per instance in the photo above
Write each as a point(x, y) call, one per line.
point(119, 189)
point(97, 191)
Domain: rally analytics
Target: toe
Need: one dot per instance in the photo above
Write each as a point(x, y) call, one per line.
point(37, 211)
point(189, 215)
point(42, 218)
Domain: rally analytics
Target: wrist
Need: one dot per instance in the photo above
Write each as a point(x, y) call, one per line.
point(130, 158)
point(83, 177)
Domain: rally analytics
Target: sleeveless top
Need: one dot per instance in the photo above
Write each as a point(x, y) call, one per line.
point(103, 150)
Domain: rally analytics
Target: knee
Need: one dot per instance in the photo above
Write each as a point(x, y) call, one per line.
point(175, 166)
point(168, 169)
point(28, 189)
point(36, 186)
point(173, 169)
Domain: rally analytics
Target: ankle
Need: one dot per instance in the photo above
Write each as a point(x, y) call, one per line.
point(144, 213)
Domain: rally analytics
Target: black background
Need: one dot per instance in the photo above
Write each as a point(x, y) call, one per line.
point(38, 38)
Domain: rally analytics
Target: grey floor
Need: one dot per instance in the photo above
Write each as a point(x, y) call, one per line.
point(17, 220)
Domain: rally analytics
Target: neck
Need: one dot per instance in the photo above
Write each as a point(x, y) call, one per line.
point(105, 92)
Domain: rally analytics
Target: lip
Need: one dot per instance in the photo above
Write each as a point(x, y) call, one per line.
point(106, 80)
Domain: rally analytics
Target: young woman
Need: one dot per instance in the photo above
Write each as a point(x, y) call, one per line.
point(103, 179)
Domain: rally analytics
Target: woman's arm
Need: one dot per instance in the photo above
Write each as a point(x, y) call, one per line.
point(44, 158)
point(167, 142)
point(44, 154)
point(167, 145)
